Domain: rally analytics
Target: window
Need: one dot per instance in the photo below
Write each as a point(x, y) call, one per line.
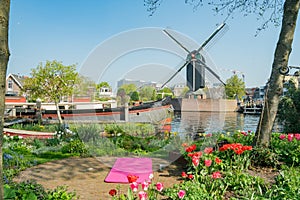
point(9, 85)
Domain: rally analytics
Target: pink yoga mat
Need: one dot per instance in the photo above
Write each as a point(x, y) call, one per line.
point(141, 167)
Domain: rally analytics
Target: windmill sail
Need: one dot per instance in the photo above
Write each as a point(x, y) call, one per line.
point(195, 63)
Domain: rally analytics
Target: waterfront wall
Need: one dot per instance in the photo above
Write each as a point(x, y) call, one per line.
point(204, 105)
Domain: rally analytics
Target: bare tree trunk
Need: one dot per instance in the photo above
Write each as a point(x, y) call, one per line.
point(4, 56)
point(275, 85)
point(58, 113)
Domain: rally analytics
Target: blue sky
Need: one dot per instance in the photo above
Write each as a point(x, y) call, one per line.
point(69, 31)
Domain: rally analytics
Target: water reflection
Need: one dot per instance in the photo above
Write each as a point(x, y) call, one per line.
point(211, 122)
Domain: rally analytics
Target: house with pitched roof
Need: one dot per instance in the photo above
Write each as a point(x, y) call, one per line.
point(14, 85)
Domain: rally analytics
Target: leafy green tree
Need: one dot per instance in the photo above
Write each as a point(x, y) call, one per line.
point(235, 87)
point(146, 93)
point(135, 96)
point(289, 109)
point(165, 92)
point(129, 88)
point(103, 84)
point(51, 81)
point(284, 12)
point(84, 87)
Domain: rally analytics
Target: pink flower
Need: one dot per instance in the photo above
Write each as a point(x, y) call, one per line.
point(208, 150)
point(216, 175)
point(134, 186)
point(282, 136)
point(159, 186)
point(297, 136)
point(244, 133)
point(183, 174)
point(181, 194)
point(207, 163)
point(143, 195)
point(195, 161)
point(290, 137)
point(208, 135)
point(145, 185)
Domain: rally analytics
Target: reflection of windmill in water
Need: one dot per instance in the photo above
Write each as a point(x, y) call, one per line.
point(195, 63)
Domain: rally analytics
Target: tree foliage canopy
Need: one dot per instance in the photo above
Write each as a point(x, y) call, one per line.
point(235, 87)
point(128, 88)
point(51, 81)
point(289, 109)
point(146, 93)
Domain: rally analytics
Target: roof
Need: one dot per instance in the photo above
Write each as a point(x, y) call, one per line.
point(18, 79)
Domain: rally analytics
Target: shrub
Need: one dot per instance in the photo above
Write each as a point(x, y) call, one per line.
point(61, 193)
point(25, 190)
point(75, 146)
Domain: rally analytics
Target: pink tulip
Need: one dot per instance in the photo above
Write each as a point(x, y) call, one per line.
point(143, 195)
point(216, 175)
point(297, 136)
point(290, 137)
point(145, 185)
point(181, 194)
point(134, 186)
point(282, 136)
point(208, 150)
point(207, 163)
point(195, 160)
point(159, 186)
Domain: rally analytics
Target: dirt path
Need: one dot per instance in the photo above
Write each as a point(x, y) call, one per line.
point(86, 175)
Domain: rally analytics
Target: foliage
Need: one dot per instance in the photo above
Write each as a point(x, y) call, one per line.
point(103, 84)
point(137, 144)
point(134, 96)
point(75, 146)
point(83, 87)
point(165, 92)
point(128, 88)
point(51, 81)
point(289, 109)
point(61, 193)
point(287, 147)
point(235, 88)
point(88, 133)
point(146, 93)
point(35, 127)
point(287, 184)
point(30, 190)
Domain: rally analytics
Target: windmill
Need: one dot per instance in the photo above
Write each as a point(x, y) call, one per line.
point(195, 63)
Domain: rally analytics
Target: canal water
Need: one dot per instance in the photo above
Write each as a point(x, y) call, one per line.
point(212, 122)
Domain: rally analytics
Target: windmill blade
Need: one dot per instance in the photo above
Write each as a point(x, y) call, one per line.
point(211, 36)
point(212, 72)
point(186, 62)
point(165, 31)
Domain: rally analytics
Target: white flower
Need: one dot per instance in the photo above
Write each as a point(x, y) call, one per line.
point(151, 176)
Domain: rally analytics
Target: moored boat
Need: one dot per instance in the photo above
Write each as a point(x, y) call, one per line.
point(152, 112)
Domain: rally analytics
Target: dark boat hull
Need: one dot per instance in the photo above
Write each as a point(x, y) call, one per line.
point(147, 112)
